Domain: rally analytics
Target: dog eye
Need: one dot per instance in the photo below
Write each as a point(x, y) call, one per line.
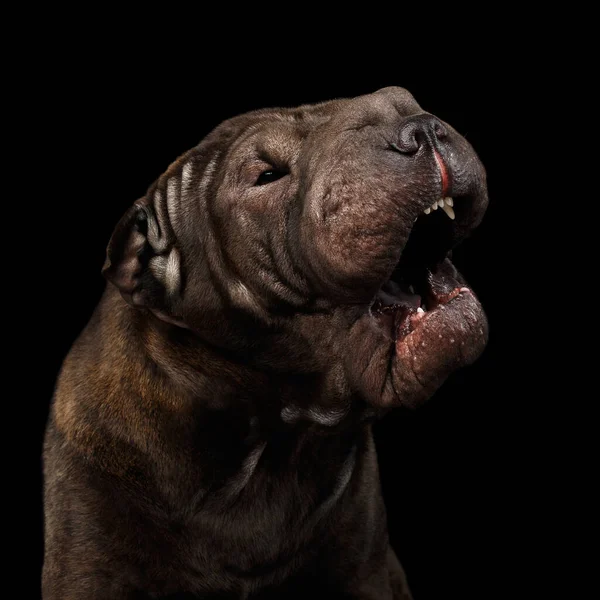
point(270, 176)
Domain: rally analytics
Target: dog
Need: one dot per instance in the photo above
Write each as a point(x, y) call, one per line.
point(279, 288)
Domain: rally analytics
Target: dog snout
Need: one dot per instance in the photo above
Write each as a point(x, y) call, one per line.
point(418, 131)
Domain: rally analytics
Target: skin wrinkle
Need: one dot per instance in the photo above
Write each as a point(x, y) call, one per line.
point(357, 128)
point(343, 479)
point(286, 261)
point(393, 382)
point(389, 370)
point(368, 364)
point(276, 279)
point(233, 273)
point(187, 172)
point(249, 132)
point(173, 198)
point(213, 272)
point(295, 268)
point(219, 257)
point(270, 272)
point(235, 486)
point(413, 369)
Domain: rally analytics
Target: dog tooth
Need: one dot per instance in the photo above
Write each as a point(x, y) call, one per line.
point(448, 210)
point(434, 206)
point(420, 310)
point(411, 289)
point(427, 211)
point(449, 201)
point(441, 203)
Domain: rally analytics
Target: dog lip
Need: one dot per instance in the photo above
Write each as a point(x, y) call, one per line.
point(443, 173)
point(408, 322)
point(402, 311)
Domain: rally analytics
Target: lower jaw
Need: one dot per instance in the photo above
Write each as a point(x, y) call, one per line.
point(426, 346)
point(402, 313)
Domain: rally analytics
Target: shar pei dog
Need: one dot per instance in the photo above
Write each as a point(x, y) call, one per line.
point(280, 287)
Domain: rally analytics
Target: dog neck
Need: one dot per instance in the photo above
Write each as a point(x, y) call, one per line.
point(244, 431)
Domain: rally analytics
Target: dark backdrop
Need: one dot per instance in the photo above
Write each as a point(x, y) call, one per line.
point(453, 470)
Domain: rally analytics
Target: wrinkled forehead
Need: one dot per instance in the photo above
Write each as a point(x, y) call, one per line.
point(275, 135)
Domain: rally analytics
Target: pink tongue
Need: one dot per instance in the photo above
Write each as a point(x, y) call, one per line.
point(394, 295)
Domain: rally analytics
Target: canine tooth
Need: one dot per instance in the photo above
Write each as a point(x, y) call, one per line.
point(411, 289)
point(449, 201)
point(427, 211)
point(434, 206)
point(449, 211)
point(420, 310)
point(441, 203)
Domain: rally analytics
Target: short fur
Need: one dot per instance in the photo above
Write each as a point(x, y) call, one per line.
point(210, 433)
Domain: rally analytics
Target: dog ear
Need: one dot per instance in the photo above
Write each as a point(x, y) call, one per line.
point(143, 262)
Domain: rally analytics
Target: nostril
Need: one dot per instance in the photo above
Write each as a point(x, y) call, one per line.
point(417, 131)
point(420, 136)
point(410, 138)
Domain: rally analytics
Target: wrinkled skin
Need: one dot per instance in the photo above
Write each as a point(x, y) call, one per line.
point(216, 411)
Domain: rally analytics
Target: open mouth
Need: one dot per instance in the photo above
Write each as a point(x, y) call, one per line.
point(424, 282)
point(424, 321)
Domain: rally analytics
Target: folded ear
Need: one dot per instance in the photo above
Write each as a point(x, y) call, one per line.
point(143, 262)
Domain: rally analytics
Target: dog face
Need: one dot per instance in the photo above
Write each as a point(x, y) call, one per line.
point(314, 241)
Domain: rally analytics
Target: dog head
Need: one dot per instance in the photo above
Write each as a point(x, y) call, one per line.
point(315, 241)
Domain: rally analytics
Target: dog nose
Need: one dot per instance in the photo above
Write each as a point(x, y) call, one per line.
point(417, 131)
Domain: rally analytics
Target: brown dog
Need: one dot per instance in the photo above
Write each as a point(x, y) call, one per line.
point(283, 284)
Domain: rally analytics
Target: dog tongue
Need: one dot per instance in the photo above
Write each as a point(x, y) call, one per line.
point(391, 293)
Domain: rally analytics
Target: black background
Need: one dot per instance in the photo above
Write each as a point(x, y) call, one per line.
point(455, 472)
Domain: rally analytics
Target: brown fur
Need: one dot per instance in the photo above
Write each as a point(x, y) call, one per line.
point(210, 433)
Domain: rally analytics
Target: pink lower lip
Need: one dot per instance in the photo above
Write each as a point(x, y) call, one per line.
point(443, 173)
